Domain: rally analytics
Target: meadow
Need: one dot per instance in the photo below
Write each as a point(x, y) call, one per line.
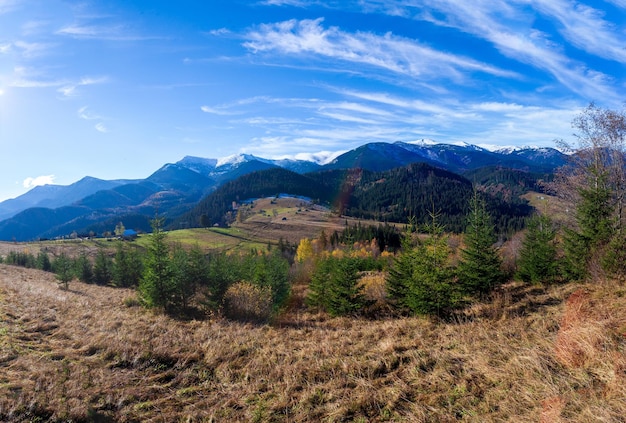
point(90, 354)
point(526, 353)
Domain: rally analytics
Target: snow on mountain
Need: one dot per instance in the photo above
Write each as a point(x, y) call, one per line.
point(198, 164)
point(427, 142)
point(237, 159)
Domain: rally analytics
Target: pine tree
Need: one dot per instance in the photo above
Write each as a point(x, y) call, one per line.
point(43, 261)
point(127, 266)
point(537, 257)
point(400, 275)
point(63, 269)
point(102, 268)
point(345, 295)
point(433, 289)
point(155, 287)
point(594, 184)
point(197, 273)
point(595, 224)
point(317, 296)
point(84, 268)
point(480, 268)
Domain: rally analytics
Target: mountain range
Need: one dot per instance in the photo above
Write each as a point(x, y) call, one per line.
point(92, 205)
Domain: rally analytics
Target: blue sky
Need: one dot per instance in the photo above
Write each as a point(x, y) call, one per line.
point(117, 88)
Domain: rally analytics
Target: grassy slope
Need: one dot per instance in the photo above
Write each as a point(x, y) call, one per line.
point(530, 354)
point(527, 356)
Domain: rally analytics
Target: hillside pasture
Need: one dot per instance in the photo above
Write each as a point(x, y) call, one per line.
point(90, 354)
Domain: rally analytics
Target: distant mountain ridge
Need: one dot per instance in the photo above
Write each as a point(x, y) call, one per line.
point(176, 188)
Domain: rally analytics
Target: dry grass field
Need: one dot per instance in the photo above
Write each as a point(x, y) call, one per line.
point(528, 355)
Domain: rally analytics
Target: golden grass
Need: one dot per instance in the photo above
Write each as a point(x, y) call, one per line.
point(84, 355)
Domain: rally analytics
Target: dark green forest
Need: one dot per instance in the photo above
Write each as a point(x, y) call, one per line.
point(388, 196)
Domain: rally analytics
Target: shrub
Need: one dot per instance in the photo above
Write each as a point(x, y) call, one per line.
point(245, 301)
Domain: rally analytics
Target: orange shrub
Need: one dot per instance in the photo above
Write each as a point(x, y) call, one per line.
point(245, 301)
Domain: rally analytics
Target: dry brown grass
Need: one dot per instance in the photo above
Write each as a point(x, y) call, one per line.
point(83, 355)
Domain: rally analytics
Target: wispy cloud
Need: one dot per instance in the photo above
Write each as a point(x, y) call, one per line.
point(619, 3)
point(32, 182)
point(389, 52)
point(508, 27)
point(34, 83)
point(217, 110)
point(586, 28)
point(92, 31)
point(117, 32)
point(30, 50)
point(71, 89)
point(86, 114)
point(220, 32)
point(8, 5)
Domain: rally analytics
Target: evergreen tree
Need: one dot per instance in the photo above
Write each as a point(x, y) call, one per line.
point(317, 296)
point(594, 184)
point(180, 280)
point(102, 268)
point(595, 224)
point(43, 261)
point(155, 287)
point(480, 268)
point(614, 260)
point(345, 294)
point(400, 275)
point(62, 266)
point(272, 271)
point(537, 257)
point(84, 268)
point(127, 266)
point(335, 286)
point(433, 289)
point(223, 271)
point(197, 273)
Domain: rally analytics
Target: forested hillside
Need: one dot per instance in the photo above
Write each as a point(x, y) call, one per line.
point(394, 195)
point(217, 207)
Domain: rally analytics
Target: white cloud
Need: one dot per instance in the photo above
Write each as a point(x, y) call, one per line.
point(389, 52)
point(85, 114)
point(619, 3)
point(508, 26)
point(32, 83)
point(31, 182)
point(498, 107)
point(30, 50)
point(115, 32)
point(320, 157)
point(7, 5)
point(219, 110)
point(219, 32)
point(585, 28)
point(71, 89)
point(100, 127)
